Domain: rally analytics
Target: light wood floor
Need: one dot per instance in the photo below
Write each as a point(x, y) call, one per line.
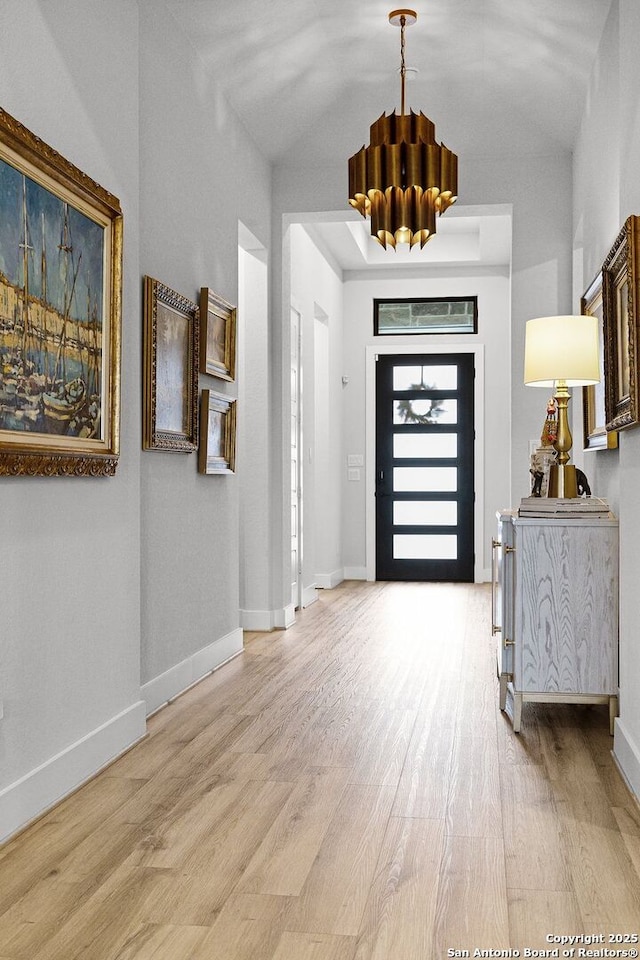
point(345, 790)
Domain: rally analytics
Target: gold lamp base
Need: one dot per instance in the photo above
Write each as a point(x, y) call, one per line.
point(562, 475)
point(562, 480)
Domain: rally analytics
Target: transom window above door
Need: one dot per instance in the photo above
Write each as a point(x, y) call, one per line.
point(425, 315)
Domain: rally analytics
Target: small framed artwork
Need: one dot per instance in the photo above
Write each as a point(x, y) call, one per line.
point(217, 335)
point(60, 313)
point(217, 433)
point(595, 433)
point(170, 400)
point(620, 319)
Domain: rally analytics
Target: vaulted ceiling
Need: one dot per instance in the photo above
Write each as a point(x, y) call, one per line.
point(308, 77)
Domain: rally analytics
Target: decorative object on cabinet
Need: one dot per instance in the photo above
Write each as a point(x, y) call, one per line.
point(544, 455)
point(594, 429)
point(217, 433)
point(584, 489)
point(217, 335)
point(404, 178)
point(541, 461)
point(620, 313)
point(170, 400)
point(561, 352)
point(554, 606)
point(60, 313)
point(550, 425)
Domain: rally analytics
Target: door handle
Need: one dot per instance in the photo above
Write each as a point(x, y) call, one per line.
point(495, 545)
point(380, 491)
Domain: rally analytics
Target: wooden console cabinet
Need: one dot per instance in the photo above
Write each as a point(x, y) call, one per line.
point(554, 596)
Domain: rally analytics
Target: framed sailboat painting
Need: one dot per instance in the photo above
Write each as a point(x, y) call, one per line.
point(60, 313)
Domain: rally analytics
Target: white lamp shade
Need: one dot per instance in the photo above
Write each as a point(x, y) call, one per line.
point(561, 348)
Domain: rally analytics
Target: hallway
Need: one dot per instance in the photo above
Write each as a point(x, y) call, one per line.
point(345, 790)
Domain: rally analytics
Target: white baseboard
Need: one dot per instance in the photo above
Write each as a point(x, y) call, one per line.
point(265, 620)
point(355, 573)
point(176, 680)
point(627, 756)
point(262, 620)
point(327, 581)
point(40, 789)
point(309, 596)
point(285, 618)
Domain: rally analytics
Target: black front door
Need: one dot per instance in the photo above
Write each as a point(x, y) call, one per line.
point(424, 467)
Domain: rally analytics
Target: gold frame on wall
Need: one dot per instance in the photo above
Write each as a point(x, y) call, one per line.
point(595, 433)
point(620, 318)
point(217, 433)
point(217, 335)
point(170, 398)
point(60, 313)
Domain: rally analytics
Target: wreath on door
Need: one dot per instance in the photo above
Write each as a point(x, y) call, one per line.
point(410, 415)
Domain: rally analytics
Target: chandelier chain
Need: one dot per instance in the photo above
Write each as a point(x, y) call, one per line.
point(403, 69)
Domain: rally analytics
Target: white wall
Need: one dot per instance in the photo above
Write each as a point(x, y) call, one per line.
point(493, 424)
point(70, 558)
point(200, 174)
point(254, 435)
point(606, 192)
point(316, 292)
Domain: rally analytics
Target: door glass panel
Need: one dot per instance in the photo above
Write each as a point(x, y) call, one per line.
point(425, 411)
point(425, 479)
point(409, 546)
point(435, 445)
point(442, 513)
point(425, 378)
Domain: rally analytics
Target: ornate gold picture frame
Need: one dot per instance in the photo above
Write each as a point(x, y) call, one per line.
point(60, 313)
point(217, 433)
point(217, 335)
point(170, 399)
point(595, 433)
point(620, 317)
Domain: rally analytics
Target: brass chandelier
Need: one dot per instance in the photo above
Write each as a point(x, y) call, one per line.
point(403, 178)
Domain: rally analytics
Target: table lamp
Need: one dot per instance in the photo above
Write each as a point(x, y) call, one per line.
point(562, 352)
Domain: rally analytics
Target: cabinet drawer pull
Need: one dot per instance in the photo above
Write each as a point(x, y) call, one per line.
point(495, 544)
point(495, 629)
point(509, 549)
point(509, 643)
